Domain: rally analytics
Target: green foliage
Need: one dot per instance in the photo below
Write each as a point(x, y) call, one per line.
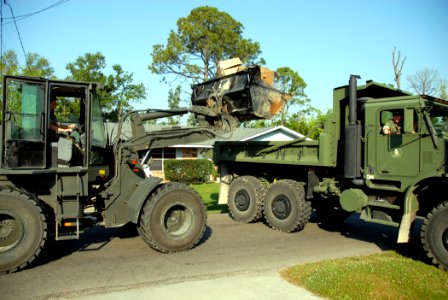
point(173, 102)
point(9, 65)
point(188, 170)
point(380, 276)
point(209, 192)
point(37, 66)
point(119, 91)
point(443, 88)
point(311, 126)
point(304, 122)
point(290, 82)
point(207, 36)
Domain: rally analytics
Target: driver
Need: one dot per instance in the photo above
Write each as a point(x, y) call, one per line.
point(55, 126)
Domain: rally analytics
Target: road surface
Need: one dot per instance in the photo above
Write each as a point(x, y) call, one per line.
point(108, 260)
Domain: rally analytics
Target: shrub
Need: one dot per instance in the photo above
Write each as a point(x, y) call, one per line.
point(188, 170)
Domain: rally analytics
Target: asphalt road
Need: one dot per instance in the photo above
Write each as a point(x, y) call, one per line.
point(106, 260)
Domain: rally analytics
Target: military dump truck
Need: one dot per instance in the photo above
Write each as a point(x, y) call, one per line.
point(52, 186)
point(390, 179)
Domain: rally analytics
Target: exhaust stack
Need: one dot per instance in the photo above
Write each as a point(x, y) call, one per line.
point(352, 134)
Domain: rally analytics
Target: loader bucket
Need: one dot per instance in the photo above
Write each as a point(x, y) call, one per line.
point(247, 94)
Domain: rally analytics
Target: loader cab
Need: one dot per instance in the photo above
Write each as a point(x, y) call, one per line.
point(27, 140)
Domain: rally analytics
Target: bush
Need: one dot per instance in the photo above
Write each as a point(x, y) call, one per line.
point(188, 170)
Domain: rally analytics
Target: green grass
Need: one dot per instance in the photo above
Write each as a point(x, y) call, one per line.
point(380, 276)
point(388, 275)
point(210, 193)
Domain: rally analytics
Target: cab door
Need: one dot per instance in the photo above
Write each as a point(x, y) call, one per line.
point(398, 155)
point(24, 123)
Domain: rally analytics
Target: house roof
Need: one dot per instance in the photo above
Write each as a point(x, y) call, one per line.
point(277, 133)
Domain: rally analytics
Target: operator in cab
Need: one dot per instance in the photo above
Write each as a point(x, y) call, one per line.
point(56, 127)
point(394, 126)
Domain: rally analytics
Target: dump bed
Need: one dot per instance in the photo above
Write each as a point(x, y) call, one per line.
point(297, 152)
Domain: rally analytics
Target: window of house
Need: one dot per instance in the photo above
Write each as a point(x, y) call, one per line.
point(159, 155)
point(189, 153)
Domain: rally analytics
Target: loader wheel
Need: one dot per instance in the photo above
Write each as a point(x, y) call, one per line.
point(245, 199)
point(173, 219)
point(285, 208)
point(434, 235)
point(23, 230)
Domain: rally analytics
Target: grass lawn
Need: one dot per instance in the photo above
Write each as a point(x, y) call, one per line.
point(210, 193)
point(388, 275)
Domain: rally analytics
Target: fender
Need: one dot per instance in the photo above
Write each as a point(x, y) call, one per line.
point(139, 196)
point(411, 207)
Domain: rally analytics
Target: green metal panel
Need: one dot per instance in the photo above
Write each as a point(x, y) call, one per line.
point(138, 198)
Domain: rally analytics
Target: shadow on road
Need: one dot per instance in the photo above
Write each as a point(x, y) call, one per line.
point(92, 239)
point(207, 234)
point(383, 236)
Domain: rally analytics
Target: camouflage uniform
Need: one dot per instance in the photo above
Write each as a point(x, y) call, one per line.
point(393, 127)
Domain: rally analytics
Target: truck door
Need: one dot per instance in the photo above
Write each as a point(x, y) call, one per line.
point(23, 124)
point(397, 154)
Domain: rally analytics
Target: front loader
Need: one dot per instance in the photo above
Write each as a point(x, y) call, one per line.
point(53, 187)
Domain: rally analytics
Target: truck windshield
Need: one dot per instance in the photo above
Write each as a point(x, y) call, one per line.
point(439, 118)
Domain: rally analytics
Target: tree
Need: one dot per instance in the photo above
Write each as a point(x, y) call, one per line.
point(9, 64)
point(119, 91)
point(173, 102)
point(88, 68)
point(203, 38)
point(123, 91)
point(443, 93)
point(290, 82)
point(426, 82)
point(37, 66)
point(398, 67)
point(309, 124)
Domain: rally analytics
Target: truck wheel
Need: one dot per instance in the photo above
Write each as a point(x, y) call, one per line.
point(173, 219)
point(285, 207)
point(434, 235)
point(245, 199)
point(23, 230)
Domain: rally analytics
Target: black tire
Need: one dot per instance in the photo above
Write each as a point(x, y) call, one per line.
point(23, 230)
point(245, 199)
point(285, 207)
point(173, 219)
point(434, 235)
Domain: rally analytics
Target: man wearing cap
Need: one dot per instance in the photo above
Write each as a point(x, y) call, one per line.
point(393, 126)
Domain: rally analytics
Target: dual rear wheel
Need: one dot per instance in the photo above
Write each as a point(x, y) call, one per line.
point(283, 204)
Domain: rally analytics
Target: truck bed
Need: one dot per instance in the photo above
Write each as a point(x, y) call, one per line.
point(297, 152)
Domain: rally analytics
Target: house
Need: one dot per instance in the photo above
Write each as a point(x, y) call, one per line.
point(203, 149)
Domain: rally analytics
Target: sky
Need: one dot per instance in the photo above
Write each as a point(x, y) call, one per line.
point(323, 40)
